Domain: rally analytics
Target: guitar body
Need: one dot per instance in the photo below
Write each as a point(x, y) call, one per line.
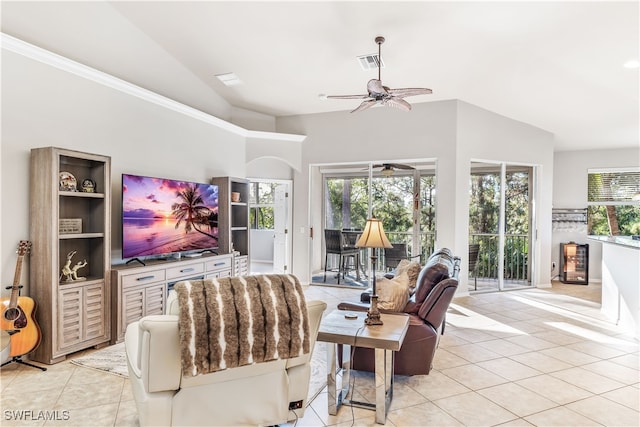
point(18, 313)
point(27, 332)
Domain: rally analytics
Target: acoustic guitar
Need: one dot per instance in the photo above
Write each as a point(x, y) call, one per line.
point(18, 313)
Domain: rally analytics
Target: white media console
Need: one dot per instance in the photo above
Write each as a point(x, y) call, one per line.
point(139, 291)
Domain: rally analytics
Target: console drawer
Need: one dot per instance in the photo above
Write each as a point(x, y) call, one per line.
point(219, 263)
point(143, 278)
point(185, 270)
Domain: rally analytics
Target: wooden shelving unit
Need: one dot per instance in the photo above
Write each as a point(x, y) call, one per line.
point(72, 315)
point(233, 221)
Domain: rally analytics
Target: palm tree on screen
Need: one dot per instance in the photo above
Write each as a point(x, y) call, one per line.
point(192, 210)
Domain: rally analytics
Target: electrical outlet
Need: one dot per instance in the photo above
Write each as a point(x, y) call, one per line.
point(295, 405)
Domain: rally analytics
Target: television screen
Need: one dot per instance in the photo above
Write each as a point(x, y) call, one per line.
point(163, 216)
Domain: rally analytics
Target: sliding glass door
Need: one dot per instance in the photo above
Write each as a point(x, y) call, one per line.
point(404, 199)
point(500, 226)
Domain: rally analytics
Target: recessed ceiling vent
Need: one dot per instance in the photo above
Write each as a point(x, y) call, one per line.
point(229, 79)
point(370, 62)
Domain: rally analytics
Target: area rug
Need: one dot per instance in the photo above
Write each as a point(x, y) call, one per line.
point(112, 359)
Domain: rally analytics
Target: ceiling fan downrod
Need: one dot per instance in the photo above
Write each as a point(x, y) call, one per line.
point(379, 40)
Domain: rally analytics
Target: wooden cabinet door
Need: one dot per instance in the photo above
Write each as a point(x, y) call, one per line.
point(70, 319)
point(155, 299)
point(132, 307)
point(143, 301)
point(94, 311)
point(81, 315)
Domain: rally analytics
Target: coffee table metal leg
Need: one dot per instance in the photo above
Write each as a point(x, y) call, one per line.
point(346, 370)
point(332, 395)
point(389, 359)
point(335, 395)
point(384, 383)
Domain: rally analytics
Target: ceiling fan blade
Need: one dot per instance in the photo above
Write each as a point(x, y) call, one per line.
point(397, 103)
point(409, 91)
point(392, 166)
point(365, 104)
point(401, 166)
point(348, 96)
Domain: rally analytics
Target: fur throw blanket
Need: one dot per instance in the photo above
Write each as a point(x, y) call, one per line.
point(236, 321)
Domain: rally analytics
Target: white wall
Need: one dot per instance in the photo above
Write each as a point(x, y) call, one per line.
point(453, 132)
point(289, 152)
point(252, 120)
point(44, 106)
point(570, 191)
point(269, 168)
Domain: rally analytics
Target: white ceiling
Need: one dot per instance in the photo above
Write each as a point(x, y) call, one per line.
point(554, 65)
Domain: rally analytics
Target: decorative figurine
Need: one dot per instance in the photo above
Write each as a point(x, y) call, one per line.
point(71, 273)
point(88, 186)
point(68, 182)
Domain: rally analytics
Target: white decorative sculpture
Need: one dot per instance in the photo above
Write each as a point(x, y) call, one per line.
point(71, 273)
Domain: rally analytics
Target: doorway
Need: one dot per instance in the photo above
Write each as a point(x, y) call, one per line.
point(501, 224)
point(270, 220)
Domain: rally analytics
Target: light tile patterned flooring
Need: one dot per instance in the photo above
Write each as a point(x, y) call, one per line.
point(534, 357)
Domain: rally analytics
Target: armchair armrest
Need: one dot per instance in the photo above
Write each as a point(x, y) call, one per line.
point(354, 306)
point(360, 306)
point(153, 349)
point(434, 309)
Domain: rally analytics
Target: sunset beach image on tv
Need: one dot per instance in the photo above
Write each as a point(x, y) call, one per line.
point(162, 216)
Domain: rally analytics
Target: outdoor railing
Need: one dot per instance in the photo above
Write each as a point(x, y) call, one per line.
point(516, 253)
point(516, 256)
point(427, 244)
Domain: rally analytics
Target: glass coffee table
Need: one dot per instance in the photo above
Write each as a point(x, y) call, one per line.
point(348, 328)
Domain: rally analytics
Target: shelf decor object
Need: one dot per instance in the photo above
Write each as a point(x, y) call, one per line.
point(373, 237)
point(70, 225)
point(68, 181)
point(71, 252)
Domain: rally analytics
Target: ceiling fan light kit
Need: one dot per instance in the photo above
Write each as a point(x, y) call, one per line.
point(379, 94)
point(387, 171)
point(389, 168)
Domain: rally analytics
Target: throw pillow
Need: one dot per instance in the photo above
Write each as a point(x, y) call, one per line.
point(412, 268)
point(393, 294)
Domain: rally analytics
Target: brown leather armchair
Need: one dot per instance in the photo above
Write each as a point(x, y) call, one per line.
point(427, 308)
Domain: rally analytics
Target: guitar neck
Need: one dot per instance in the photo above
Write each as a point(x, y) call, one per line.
point(23, 248)
point(15, 289)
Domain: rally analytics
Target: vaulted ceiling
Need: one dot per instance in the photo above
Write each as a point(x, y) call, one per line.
point(554, 65)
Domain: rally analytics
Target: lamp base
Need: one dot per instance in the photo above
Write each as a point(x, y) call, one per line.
point(373, 315)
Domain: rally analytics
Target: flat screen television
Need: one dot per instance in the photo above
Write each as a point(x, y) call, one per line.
point(165, 216)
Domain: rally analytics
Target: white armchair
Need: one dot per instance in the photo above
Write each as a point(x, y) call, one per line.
point(257, 394)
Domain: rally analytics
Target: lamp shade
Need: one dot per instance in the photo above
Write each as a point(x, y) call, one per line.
point(373, 235)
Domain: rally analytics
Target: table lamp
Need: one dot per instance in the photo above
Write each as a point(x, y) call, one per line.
point(373, 237)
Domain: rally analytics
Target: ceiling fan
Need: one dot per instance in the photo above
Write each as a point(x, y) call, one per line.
point(383, 95)
point(388, 168)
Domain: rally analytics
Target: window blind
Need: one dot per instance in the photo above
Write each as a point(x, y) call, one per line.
point(613, 187)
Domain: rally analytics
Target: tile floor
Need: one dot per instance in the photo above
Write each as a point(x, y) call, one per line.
point(534, 357)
